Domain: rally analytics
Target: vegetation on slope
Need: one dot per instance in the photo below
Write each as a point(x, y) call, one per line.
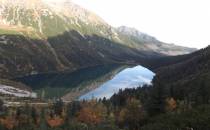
point(39, 37)
point(172, 102)
point(179, 97)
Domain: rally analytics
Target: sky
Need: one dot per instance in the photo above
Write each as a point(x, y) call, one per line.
point(182, 22)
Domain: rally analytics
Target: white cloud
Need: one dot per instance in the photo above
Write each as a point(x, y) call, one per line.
point(184, 22)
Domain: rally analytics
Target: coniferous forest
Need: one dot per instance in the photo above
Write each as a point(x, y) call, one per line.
point(56, 54)
point(178, 99)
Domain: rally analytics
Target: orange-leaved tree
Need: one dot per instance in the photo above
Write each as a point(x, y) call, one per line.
point(92, 113)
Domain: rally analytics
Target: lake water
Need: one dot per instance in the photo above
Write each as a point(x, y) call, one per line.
point(128, 78)
point(99, 81)
point(70, 84)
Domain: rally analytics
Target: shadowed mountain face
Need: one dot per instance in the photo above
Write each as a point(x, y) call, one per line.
point(185, 67)
point(186, 77)
point(69, 51)
point(38, 36)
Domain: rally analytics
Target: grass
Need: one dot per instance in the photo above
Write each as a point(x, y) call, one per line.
point(9, 32)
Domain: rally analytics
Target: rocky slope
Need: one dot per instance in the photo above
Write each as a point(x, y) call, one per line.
point(151, 43)
point(39, 36)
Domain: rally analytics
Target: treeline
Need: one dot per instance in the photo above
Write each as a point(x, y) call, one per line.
point(178, 100)
point(78, 115)
point(160, 109)
point(145, 108)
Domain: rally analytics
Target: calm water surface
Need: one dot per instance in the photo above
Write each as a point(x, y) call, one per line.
point(128, 78)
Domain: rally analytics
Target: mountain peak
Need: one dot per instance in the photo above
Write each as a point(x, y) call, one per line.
point(40, 13)
point(57, 35)
point(137, 34)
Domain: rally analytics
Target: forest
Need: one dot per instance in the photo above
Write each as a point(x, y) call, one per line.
point(143, 108)
point(53, 52)
point(178, 99)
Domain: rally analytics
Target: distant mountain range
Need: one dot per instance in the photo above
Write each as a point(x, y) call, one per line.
point(38, 36)
point(151, 43)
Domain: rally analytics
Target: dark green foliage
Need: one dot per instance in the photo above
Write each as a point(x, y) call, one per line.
point(58, 107)
point(34, 115)
point(1, 105)
point(189, 79)
point(119, 100)
point(73, 109)
point(196, 119)
point(156, 101)
point(185, 79)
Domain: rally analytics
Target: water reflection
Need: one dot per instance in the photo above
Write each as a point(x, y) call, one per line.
point(128, 78)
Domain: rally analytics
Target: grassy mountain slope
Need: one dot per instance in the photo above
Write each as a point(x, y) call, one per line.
point(38, 36)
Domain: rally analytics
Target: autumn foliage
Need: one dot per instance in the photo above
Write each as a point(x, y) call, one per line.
point(55, 122)
point(8, 122)
point(91, 113)
point(171, 104)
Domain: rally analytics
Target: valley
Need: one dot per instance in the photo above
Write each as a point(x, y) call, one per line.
point(56, 39)
point(64, 67)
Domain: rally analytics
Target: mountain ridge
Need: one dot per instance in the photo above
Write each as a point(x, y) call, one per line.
point(150, 42)
point(37, 37)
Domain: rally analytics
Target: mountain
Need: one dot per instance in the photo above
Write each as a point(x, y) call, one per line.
point(38, 36)
point(41, 36)
point(187, 74)
point(179, 93)
point(151, 43)
point(132, 32)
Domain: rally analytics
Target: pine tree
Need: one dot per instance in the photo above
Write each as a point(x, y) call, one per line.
point(156, 103)
point(58, 107)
